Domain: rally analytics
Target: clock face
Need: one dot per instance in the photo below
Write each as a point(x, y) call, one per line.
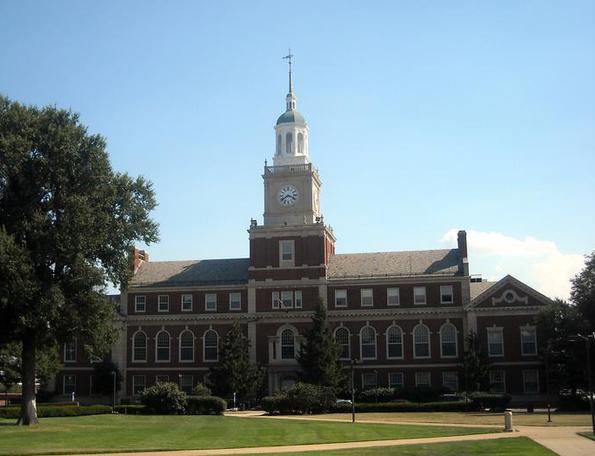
point(288, 195)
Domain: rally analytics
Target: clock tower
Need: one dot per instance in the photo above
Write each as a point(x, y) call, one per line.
point(293, 243)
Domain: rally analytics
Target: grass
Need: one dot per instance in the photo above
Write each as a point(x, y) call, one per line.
point(518, 446)
point(588, 435)
point(493, 419)
point(110, 433)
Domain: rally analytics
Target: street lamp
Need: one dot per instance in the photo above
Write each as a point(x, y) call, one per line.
point(114, 397)
point(353, 362)
point(587, 339)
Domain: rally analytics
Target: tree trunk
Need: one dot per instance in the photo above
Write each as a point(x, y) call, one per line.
point(28, 404)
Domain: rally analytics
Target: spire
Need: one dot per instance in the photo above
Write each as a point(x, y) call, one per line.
point(290, 99)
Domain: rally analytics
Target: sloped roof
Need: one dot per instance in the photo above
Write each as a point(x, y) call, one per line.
point(201, 272)
point(507, 280)
point(382, 264)
point(478, 288)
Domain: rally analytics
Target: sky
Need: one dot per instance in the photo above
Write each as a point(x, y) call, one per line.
point(425, 117)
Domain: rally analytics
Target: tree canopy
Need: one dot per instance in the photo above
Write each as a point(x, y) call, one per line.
point(68, 223)
point(582, 293)
point(319, 356)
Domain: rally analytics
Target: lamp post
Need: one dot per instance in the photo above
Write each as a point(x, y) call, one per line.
point(114, 397)
point(587, 339)
point(353, 362)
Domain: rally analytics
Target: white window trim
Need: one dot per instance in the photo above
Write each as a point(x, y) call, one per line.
point(456, 375)
point(456, 355)
point(168, 347)
point(295, 299)
point(64, 393)
point(398, 294)
point(283, 294)
point(134, 383)
point(191, 381)
point(361, 344)
point(204, 347)
point(536, 380)
point(180, 347)
point(534, 339)
point(492, 372)
point(429, 374)
point(161, 378)
point(286, 263)
point(276, 300)
point(400, 374)
point(136, 299)
point(65, 351)
point(415, 303)
point(239, 295)
point(402, 343)
point(501, 331)
point(206, 302)
point(134, 360)
point(429, 342)
point(348, 341)
point(159, 303)
point(346, 303)
point(452, 294)
point(375, 374)
point(361, 292)
point(191, 303)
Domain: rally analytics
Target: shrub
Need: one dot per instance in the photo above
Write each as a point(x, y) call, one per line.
point(302, 398)
point(449, 406)
point(205, 405)
point(201, 390)
point(573, 403)
point(268, 404)
point(130, 409)
point(377, 395)
point(421, 394)
point(47, 411)
point(493, 401)
point(164, 398)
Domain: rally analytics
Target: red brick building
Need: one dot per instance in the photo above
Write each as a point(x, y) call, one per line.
point(403, 315)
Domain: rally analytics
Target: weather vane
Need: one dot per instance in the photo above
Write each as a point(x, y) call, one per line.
point(289, 57)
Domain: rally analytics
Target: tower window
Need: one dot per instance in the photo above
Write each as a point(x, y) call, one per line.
point(288, 144)
point(301, 143)
point(278, 144)
point(286, 253)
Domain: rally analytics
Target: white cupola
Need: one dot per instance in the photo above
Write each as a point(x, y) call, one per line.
point(291, 131)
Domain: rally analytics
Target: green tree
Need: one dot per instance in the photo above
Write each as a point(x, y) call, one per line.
point(557, 323)
point(582, 293)
point(67, 225)
point(319, 356)
point(103, 377)
point(477, 366)
point(234, 373)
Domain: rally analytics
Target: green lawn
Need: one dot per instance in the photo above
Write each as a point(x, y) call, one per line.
point(518, 446)
point(588, 435)
point(108, 433)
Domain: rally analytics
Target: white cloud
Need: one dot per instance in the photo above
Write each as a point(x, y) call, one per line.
point(538, 263)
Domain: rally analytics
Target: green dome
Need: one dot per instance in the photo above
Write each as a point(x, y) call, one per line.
point(291, 116)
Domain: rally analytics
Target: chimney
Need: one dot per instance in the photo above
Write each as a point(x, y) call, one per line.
point(462, 245)
point(138, 258)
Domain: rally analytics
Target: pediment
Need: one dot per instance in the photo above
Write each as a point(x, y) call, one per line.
point(509, 292)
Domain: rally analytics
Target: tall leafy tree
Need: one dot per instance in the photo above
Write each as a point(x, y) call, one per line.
point(582, 293)
point(477, 366)
point(557, 323)
point(234, 373)
point(319, 356)
point(67, 225)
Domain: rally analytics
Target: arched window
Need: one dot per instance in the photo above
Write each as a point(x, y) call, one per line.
point(278, 145)
point(448, 341)
point(368, 343)
point(394, 342)
point(421, 341)
point(162, 347)
point(342, 339)
point(288, 144)
point(300, 143)
point(211, 345)
point(139, 346)
point(186, 346)
point(287, 344)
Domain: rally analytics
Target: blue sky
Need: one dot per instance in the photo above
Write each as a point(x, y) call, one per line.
point(425, 116)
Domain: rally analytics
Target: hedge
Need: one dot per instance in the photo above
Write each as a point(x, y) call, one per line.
point(130, 409)
point(492, 401)
point(46, 411)
point(444, 406)
point(205, 405)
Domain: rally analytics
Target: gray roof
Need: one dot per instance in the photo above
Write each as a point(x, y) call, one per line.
point(381, 264)
point(478, 288)
point(291, 116)
point(183, 273)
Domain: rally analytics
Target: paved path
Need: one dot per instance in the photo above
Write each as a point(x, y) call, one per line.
point(561, 439)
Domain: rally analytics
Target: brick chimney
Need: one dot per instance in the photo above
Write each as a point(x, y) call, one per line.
point(462, 245)
point(138, 258)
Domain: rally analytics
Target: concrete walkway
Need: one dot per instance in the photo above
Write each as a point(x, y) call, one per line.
point(562, 439)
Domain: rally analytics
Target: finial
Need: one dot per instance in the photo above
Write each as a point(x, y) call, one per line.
point(289, 57)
